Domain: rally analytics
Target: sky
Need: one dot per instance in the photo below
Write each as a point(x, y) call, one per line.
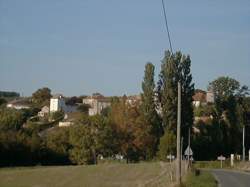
point(78, 47)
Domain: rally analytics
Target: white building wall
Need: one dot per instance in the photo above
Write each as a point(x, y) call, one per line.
point(54, 105)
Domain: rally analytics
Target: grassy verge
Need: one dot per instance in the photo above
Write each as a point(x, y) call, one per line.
point(198, 178)
point(212, 164)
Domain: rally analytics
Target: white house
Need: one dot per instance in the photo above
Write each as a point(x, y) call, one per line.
point(97, 104)
point(57, 103)
point(44, 111)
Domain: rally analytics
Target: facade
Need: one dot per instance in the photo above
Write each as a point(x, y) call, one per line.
point(57, 103)
point(202, 98)
point(97, 104)
point(199, 98)
point(210, 97)
point(44, 111)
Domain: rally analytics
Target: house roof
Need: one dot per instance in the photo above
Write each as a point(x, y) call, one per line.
point(23, 102)
point(199, 96)
point(57, 96)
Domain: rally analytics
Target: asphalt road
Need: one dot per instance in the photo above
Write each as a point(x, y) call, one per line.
point(227, 178)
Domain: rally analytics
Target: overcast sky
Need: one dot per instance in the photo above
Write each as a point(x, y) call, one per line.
point(79, 47)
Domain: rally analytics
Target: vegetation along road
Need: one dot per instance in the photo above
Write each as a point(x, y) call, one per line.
point(227, 178)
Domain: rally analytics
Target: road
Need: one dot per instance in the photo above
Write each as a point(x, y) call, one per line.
point(227, 178)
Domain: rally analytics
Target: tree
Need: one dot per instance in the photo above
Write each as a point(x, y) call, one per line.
point(148, 106)
point(224, 87)
point(73, 100)
point(57, 115)
point(41, 96)
point(58, 145)
point(176, 68)
point(91, 136)
point(167, 91)
point(83, 108)
point(167, 145)
point(2, 101)
point(229, 111)
point(11, 119)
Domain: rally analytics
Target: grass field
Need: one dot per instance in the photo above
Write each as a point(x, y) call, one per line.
point(103, 175)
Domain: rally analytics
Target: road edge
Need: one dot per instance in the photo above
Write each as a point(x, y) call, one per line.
point(216, 178)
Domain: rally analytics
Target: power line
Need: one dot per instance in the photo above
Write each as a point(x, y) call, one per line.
point(166, 23)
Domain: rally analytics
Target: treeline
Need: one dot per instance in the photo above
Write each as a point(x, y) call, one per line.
point(222, 130)
point(122, 131)
point(9, 94)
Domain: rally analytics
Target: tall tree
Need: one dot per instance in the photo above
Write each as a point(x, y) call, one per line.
point(229, 97)
point(167, 91)
point(175, 67)
point(148, 106)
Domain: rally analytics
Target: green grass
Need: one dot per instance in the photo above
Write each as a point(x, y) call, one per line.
point(204, 179)
point(212, 164)
point(103, 175)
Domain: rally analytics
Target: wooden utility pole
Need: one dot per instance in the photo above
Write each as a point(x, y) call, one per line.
point(178, 157)
point(189, 147)
point(243, 144)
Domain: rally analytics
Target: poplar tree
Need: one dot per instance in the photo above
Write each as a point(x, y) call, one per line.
point(174, 68)
point(148, 106)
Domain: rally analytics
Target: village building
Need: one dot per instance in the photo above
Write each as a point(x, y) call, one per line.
point(57, 103)
point(19, 104)
point(44, 111)
point(97, 103)
point(133, 99)
point(199, 98)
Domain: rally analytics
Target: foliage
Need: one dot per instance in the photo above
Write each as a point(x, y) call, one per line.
point(2, 101)
point(148, 107)
point(18, 148)
point(57, 115)
point(73, 100)
point(167, 145)
point(11, 119)
point(41, 97)
point(206, 110)
point(9, 94)
point(224, 87)
point(58, 142)
point(131, 131)
point(175, 68)
point(89, 138)
point(84, 108)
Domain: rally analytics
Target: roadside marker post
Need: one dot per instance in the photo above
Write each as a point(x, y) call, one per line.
point(170, 157)
point(232, 160)
point(221, 158)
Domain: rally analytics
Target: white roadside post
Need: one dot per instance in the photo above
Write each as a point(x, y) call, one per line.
point(171, 157)
point(221, 158)
point(232, 160)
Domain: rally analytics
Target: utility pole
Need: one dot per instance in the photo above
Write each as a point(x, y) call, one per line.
point(189, 147)
point(178, 157)
point(243, 144)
